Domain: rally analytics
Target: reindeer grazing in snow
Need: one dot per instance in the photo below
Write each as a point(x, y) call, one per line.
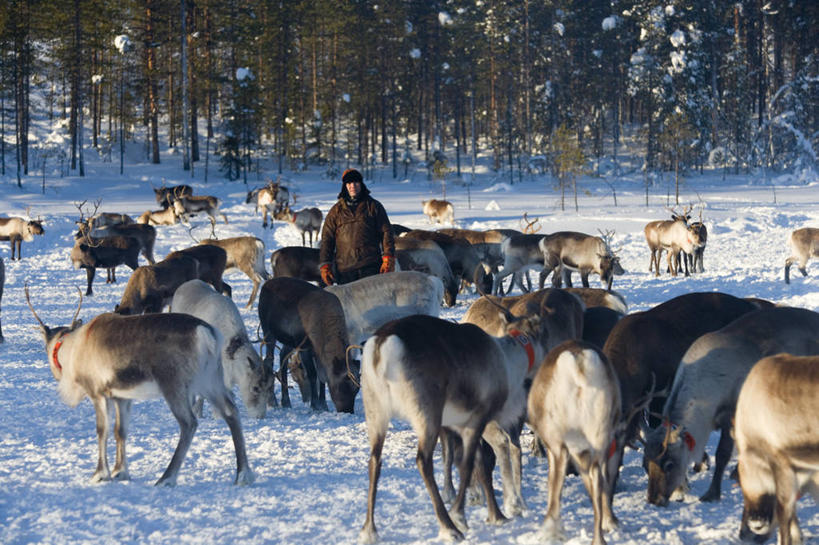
point(705, 389)
point(166, 216)
point(574, 407)
point(114, 360)
point(151, 287)
point(241, 364)
point(16, 230)
point(301, 315)
point(435, 374)
point(804, 244)
point(775, 427)
point(428, 257)
point(190, 205)
point(439, 211)
point(306, 221)
point(520, 253)
point(297, 262)
point(646, 347)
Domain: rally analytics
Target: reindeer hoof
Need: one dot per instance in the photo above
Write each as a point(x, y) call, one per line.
point(245, 478)
point(459, 521)
point(169, 483)
point(100, 477)
point(121, 475)
point(450, 534)
point(368, 535)
point(552, 530)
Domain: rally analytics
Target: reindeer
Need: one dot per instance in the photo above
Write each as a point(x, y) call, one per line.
point(241, 364)
point(426, 256)
point(247, 255)
point(144, 234)
point(462, 257)
point(439, 211)
point(298, 314)
point(520, 253)
point(804, 244)
point(271, 198)
point(151, 287)
point(297, 262)
point(107, 252)
point(16, 230)
point(646, 347)
point(561, 318)
point(705, 389)
point(166, 216)
point(597, 297)
point(188, 205)
point(435, 374)
point(306, 221)
point(672, 235)
point(211, 263)
point(574, 408)
point(165, 196)
point(486, 243)
point(775, 428)
point(567, 251)
point(694, 261)
point(114, 360)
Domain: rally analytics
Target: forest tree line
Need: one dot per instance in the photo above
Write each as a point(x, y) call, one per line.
point(699, 82)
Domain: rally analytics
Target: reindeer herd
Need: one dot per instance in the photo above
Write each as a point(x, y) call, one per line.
point(588, 377)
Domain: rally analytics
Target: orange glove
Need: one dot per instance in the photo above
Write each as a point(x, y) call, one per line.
point(327, 274)
point(387, 264)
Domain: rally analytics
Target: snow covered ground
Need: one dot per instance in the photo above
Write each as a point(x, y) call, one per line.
point(311, 468)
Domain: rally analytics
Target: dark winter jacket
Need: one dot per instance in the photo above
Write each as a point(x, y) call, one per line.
point(356, 233)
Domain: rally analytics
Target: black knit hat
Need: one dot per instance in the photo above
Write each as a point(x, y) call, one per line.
point(351, 175)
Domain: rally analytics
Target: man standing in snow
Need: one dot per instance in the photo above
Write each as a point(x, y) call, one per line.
point(356, 236)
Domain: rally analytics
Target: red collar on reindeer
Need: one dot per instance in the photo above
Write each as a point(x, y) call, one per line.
point(526, 343)
point(57, 346)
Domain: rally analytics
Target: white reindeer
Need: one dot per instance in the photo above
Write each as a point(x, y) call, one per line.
point(574, 407)
point(116, 359)
point(433, 374)
point(241, 364)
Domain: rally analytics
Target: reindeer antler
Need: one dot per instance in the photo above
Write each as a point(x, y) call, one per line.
point(531, 227)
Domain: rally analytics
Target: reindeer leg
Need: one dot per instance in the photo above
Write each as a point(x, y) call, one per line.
point(123, 414)
point(505, 452)
point(283, 352)
point(102, 472)
point(426, 445)
point(724, 449)
point(552, 525)
point(180, 405)
point(227, 410)
point(447, 440)
point(89, 274)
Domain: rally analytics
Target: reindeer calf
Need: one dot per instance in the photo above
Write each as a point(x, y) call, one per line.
point(804, 244)
point(114, 360)
point(574, 407)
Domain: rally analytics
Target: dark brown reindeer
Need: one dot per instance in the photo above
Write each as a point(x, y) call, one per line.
point(165, 196)
point(804, 244)
point(296, 262)
point(301, 315)
point(462, 257)
point(107, 253)
point(151, 287)
point(434, 374)
point(114, 360)
point(646, 347)
point(17, 230)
